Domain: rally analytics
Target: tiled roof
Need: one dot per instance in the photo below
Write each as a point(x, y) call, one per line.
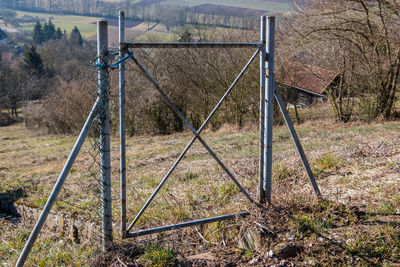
point(308, 77)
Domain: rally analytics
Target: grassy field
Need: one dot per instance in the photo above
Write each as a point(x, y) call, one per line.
point(86, 25)
point(88, 28)
point(356, 166)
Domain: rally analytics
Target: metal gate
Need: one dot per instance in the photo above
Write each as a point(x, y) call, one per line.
point(268, 90)
point(264, 48)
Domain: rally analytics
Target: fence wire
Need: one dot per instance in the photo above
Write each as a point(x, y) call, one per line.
point(95, 139)
point(92, 207)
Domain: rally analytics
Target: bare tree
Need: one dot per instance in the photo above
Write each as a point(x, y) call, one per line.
point(169, 17)
point(358, 38)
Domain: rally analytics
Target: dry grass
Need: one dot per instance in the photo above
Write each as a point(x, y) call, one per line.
point(356, 166)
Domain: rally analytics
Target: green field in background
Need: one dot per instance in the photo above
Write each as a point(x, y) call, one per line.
point(86, 25)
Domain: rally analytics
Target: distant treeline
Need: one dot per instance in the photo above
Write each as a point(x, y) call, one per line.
point(208, 14)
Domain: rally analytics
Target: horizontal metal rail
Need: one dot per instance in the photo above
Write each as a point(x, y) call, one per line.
point(191, 45)
point(185, 224)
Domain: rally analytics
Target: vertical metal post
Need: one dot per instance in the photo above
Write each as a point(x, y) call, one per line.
point(269, 108)
point(263, 56)
point(122, 123)
point(104, 91)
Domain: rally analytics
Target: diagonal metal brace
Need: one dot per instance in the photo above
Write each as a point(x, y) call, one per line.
point(197, 133)
point(296, 140)
point(58, 185)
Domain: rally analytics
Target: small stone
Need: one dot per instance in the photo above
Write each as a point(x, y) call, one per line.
point(398, 211)
point(349, 241)
point(269, 254)
point(310, 262)
point(290, 237)
point(253, 261)
point(7, 200)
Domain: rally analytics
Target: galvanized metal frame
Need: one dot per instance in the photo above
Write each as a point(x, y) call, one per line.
point(122, 123)
point(267, 90)
point(266, 51)
point(269, 107)
point(192, 45)
point(105, 131)
point(101, 103)
point(196, 133)
point(185, 224)
point(263, 58)
point(58, 185)
point(296, 139)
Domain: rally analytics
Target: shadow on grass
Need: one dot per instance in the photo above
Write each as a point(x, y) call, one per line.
point(365, 241)
point(7, 120)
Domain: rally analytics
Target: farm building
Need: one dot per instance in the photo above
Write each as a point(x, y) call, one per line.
point(3, 37)
point(306, 85)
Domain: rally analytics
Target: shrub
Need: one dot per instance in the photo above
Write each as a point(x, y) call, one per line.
point(63, 111)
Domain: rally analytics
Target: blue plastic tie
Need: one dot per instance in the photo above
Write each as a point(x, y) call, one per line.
point(116, 64)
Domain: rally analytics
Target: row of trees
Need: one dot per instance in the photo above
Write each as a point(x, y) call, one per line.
point(178, 15)
point(47, 32)
point(171, 15)
point(21, 81)
point(10, 17)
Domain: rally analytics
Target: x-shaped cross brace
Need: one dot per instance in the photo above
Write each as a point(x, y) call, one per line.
point(196, 134)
